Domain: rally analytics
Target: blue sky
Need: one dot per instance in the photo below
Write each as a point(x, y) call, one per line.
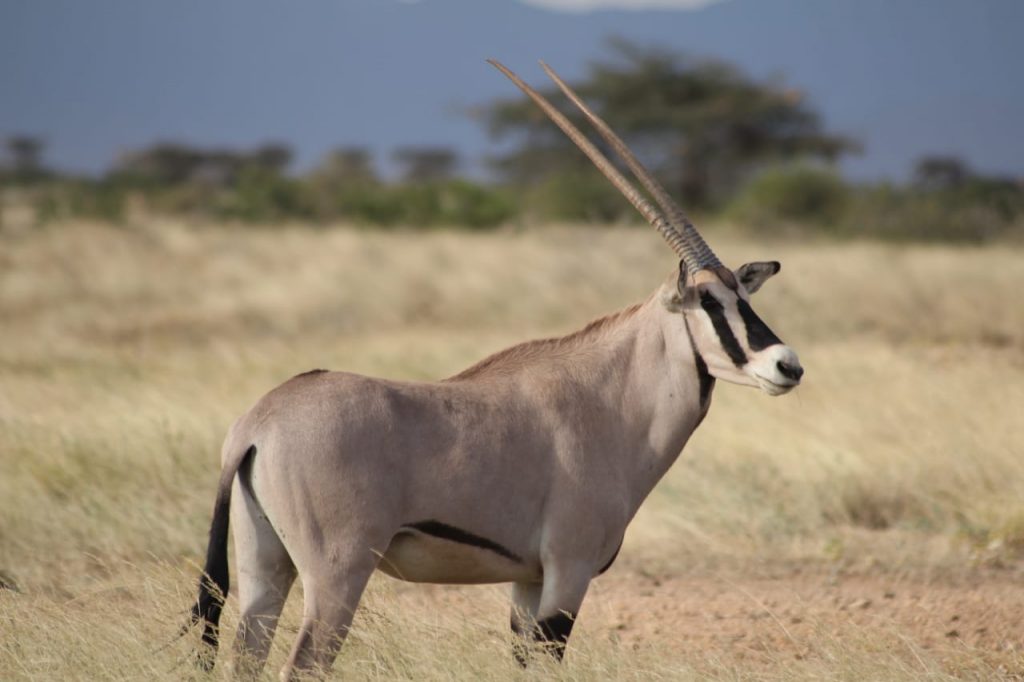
point(907, 77)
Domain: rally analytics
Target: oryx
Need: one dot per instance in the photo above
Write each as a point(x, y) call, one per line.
point(525, 468)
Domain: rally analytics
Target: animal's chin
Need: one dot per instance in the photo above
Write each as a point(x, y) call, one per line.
point(772, 388)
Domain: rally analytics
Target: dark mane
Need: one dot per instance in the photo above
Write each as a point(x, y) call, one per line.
point(520, 354)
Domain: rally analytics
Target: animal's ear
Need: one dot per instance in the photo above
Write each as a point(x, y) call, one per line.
point(753, 275)
point(675, 300)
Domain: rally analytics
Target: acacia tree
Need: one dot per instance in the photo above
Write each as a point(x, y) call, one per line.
point(701, 123)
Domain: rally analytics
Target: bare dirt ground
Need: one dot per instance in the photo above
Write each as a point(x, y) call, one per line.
point(798, 615)
point(746, 618)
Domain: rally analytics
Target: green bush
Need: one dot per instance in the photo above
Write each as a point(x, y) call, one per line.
point(262, 195)
point(450, 202)
point(92, 199)
point(806, 199)
point(473, 205)
point(800, 194)
point(578, 197)
point(980, 210)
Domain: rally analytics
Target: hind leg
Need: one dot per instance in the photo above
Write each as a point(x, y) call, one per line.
point(265, 575)
point(332, 594)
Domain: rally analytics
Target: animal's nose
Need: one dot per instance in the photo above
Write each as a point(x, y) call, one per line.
point(793, 372)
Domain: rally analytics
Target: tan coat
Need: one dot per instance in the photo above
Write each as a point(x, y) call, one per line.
point(524, 468)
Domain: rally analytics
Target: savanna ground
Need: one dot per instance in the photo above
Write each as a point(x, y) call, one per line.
point(868, 526)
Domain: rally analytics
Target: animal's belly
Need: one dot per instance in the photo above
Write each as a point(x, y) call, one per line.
point(422, 558)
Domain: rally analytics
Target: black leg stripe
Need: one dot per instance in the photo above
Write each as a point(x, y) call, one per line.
point(759, 336)
point(556, 630)
point(553, 631)
point(446, 532)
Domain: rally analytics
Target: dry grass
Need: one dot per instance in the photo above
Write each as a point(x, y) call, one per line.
point(126, 352)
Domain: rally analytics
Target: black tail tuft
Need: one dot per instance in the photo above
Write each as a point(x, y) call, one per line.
point(214, 584)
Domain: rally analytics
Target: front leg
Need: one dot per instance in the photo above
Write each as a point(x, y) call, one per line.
point(554, 612)
point(525, 602)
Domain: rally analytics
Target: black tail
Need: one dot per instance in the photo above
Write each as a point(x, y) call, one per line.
point(214, 584)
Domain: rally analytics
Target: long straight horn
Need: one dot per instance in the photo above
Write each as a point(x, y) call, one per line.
point(671, 235)
point(702, 255)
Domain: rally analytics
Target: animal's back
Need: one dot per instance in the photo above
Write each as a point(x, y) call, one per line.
point(426, 451)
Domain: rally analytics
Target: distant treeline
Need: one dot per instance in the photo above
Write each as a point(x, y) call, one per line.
point(253, 186)
point(725, 145)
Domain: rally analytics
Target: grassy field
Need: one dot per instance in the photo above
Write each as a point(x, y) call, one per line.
point(894, 477)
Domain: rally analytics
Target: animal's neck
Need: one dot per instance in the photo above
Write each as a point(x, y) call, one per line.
point(663, 397)
point(637, 392)
point(629, 383)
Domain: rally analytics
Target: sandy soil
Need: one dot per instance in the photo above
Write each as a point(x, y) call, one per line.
point(745, 617)
point(796, 615)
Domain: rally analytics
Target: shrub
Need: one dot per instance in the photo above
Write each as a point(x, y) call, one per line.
point(473, 205)
point(262, 195)
point(79, 198)
point(799, 194)
point(578, 197)
point(448, 202)
point(978, 211)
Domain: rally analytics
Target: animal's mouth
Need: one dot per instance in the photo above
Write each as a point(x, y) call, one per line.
point(774, 388)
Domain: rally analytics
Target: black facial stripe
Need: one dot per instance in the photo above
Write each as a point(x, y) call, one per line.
point(716, 312)
point(707, 382)
point(759, 336)
point(446, 532)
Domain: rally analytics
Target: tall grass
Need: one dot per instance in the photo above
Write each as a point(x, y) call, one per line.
point(126, 352)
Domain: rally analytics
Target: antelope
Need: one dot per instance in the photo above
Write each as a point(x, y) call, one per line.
point(525, 468)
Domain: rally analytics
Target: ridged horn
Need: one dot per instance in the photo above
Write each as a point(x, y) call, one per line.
point(675, 240)
point(702, 255)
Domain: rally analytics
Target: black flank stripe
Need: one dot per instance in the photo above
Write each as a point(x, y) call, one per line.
point(729, 343)
point(446, 532)
point(759, 336)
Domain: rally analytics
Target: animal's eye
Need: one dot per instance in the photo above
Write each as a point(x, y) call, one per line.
point(709, 302)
